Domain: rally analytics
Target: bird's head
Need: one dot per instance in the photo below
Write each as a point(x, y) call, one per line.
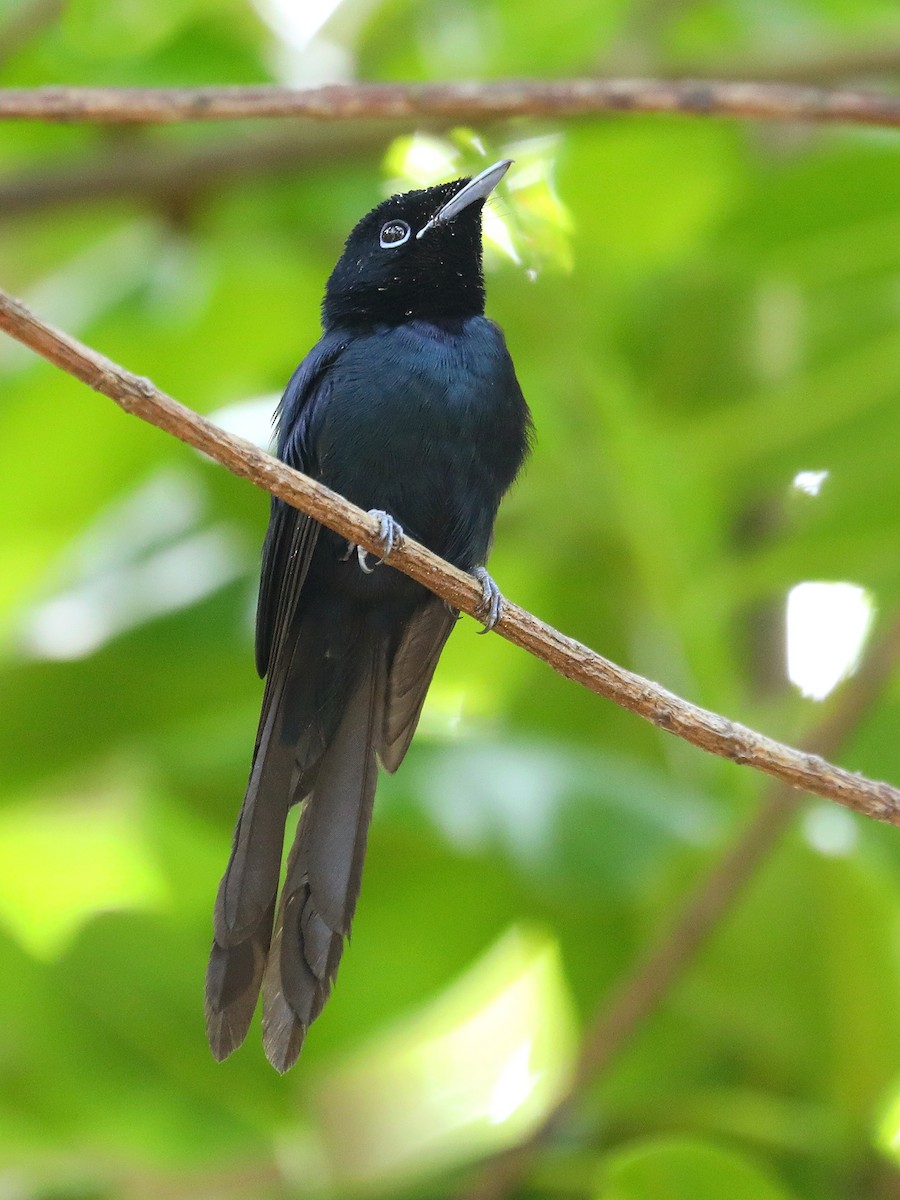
point(417, 255)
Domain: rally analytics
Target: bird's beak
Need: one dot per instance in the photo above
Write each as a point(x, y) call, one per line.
point(478, 188)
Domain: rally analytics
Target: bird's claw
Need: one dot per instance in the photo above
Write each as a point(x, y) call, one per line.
point(390, 534)
point(491, 605)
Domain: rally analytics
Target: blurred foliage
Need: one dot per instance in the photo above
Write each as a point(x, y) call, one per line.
point(698, 312)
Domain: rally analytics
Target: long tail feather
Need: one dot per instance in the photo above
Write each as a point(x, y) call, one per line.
point(323, 874)
point(246, 899)
point(245, 904)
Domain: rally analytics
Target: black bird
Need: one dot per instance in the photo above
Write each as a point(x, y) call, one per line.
point(408, 406)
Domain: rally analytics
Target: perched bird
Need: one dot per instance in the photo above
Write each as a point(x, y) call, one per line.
point(408, 406)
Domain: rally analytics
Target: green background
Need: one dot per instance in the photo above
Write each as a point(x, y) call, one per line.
point(698, 310)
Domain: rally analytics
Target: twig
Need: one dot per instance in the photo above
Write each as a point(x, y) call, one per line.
point(577, 662)
point(177, 175)
point(452, 102)
point(623, 1014)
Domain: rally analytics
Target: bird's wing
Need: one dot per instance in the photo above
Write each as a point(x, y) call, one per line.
point(291, 535)
point(409, 677)
point(290, 540)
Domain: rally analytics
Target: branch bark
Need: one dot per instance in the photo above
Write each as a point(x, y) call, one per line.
point(707, 730)
point(452, 102)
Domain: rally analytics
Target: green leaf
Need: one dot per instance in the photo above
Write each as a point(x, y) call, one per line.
point(685, 1169)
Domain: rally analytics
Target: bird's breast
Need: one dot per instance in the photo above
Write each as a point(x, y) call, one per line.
point(427, 422)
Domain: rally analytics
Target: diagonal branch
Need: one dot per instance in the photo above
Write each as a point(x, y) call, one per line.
point(577, 662)
point(452, 102)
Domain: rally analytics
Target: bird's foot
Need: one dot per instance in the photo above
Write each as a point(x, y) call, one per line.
point(390, 533)
point(491, 605)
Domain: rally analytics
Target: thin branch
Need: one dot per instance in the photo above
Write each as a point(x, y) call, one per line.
point(175, 176)
point(452, 102)
point(577, 662)
point(624, 1013)
point(172, 176)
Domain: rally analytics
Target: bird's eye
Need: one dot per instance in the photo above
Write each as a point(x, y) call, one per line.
point(394, 233)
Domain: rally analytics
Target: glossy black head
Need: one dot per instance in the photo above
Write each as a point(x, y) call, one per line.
point(417, 255)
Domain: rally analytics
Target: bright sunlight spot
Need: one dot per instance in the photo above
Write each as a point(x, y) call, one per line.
point(810, 482)
point(827, 625)
point(830, 830)
point(250, 419)
point(470, 1074)
point(297, 24)
point(887, 1136)
point(420, 160)
point(84, 618)
point(142, 558)
point(304, 54)
point(515, 1085)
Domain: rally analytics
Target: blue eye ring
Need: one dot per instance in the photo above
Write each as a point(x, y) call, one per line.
point(394, 233)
